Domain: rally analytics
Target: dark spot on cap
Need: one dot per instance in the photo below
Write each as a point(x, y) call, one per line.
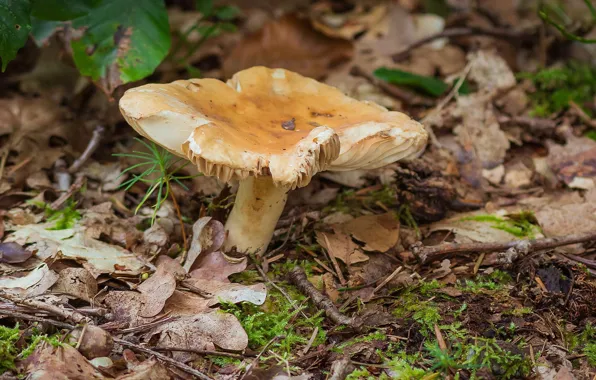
point(320, 114)
point(289, 125)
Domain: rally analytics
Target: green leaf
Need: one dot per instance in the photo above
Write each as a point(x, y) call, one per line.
point(205, 7)
point(429, 85)
point(122, 41)
point(227, 12)
point(42, 30)
point(15, 25)
point(61, 10)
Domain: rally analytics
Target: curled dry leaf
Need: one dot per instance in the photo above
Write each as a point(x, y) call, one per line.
point(100, 221)
point(96, 256)
point(76, 282)
point(160, 286)
point(13, 253)
point(229, 292)
point(378, 232)
point(34, 283)
point(62, 362)
point(341, 246)
point(202, 332)
point(289, 43)
point(207, 236)
point(349, 24)
point(214, 266)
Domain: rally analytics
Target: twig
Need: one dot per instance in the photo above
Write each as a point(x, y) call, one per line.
point(389, 278)
point(404, 95)
point(67, 314)
point(298, 278)
point(201, 352)
point(582, 114)
point(311, 340)
point(175, 363)
point(537, 124)
point(433, 253)
point(340, 275)
point(505, 34)
point(248, 367)
point(16, 314)
point(89, 150)
point(76, 186)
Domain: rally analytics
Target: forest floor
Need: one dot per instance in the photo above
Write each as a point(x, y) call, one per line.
point(474, 261)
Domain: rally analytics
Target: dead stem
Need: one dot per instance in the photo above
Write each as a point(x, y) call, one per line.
point(89, 150)
point(179, 214)
point(298, 278)
point(433, 253)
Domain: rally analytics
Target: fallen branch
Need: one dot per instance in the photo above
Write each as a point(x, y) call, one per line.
point(399, 93)
point(16, 314)
point(175, 363)
point(298, 278)
point(504, 34)
point(67, 314)
point(89, 150)
point(438, 252)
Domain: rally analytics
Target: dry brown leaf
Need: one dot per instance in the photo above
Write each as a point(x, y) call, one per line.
point(346, 25)
point(13, 253)
point(100, 221)
point(288, 43)
point(341, 246)
point(330, 287)
point(573, 163)
point(378, 232)
point(31, 284)
point(63, 362)
point(214, 266)
point(229, 292)
point(208, 236)
point(149, 369)
point(76, 282)
point(465, 229)
point(160, 286)
point(205, 331)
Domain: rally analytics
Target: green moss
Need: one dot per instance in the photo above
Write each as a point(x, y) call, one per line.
point(9, 352)
point(360, 374)
point(520, 311)
point(556, 87)
point(522, 225)
point(590, 352)
point(492, 282)
point(246, 277)
point(375, 336)
point(223, 361)
point(426, 313)
point(278, 318)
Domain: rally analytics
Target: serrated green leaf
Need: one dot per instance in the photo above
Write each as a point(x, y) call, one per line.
point(15, 25)
point(61, 10)
point(429, 85)
point(122, 41)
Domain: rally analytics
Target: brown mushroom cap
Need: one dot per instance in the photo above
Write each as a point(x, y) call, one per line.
point(269, 122)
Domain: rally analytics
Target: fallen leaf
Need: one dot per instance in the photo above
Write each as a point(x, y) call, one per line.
point(208, 235)
point(96, 256)
point(149, 369)
point(34, 283)
point(466, 229)
point(214, 266)
point(13, 253)
point(518, 176)
point(62, 362)
point(348, 24)
point(490, 71)
point(109, 175)
point(202, 332)
point(378, 232)
point(76, 282)
point(159, 287)
point(574, 162)
point(229, 292)
point(341, 246)
point(100, 222)
point(93, 341)
point(289, 43)
point(330, 287)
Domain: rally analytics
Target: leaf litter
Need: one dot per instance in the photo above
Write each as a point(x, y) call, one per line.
point(510, 164)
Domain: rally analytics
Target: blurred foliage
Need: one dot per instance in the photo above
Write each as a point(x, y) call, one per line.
point(556, 87)
point(428, 85)
point(555, 16)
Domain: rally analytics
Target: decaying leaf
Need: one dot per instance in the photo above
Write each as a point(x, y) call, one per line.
point(288, 43)
point(229, 292)
point(214, 266)
point(150, 369)
point(92, 341)
point(378, 232)
point(202, 332)
point(96, 256)
point(574, 162)
point(346, 24)
point(13, 253)
point(207, 236)
point(467, 228)
point(160, 286)
point(100, 222)
point(63, 362)
point(76, 282)
point(32, 284)
point(341, 246)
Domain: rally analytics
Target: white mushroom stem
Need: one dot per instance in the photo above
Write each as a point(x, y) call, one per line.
point(257, 208)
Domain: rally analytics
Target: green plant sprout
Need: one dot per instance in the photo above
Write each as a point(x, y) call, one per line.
point(544, 15)
point(162, 163)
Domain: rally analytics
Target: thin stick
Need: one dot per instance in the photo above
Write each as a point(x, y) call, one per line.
point(505, 34)
point(76, 186)
point(201, 352)
point(16, 314)
point(311, 340)
point(389, 278)
point(433, 253)
point(248, 367)
point(298, 278)
point(175, 363)
point(89, 150)
point(279, 289)
point(340, 275)
point(67, 314)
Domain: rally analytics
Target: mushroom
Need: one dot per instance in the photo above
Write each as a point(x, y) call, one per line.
point(272, 130)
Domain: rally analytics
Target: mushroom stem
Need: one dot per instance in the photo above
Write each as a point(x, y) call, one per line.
point(257, 208)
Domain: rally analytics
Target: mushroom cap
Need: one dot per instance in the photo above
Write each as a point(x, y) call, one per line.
point(269, 122)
